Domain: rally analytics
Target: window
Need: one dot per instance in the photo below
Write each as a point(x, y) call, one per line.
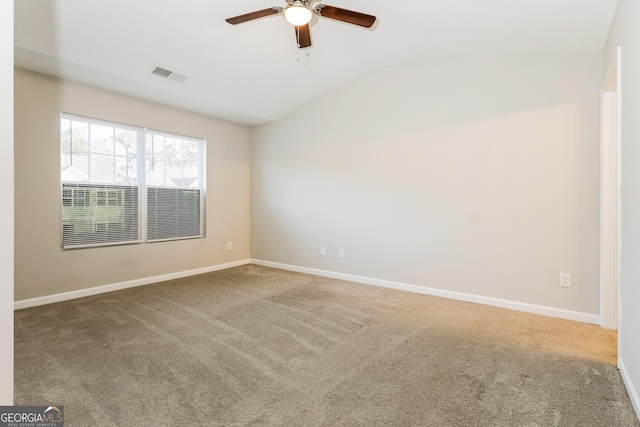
point(75, 197)
point(122, 184)
point(109, 197)
point(173, 182)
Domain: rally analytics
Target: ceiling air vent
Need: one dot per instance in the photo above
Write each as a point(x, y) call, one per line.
point(168, 74)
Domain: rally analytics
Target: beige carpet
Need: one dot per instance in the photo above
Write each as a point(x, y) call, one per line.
point(254, 346)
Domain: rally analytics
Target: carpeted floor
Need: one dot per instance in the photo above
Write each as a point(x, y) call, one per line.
point(254, 346)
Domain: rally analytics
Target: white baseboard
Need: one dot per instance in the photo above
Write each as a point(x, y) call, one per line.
point(17, 305)
point(513, 305)
point(631, 390)
point(496, 302)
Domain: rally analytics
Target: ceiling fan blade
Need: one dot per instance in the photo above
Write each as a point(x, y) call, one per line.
point(344, 15)
point(303, 36)
point(254, 15)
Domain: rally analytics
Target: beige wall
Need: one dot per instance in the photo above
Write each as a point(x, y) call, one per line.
point(41, 267)
point(625, 32)
point(470, 174)
point(6, 213)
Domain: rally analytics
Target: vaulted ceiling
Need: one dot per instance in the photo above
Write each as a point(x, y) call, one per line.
point(253, 73)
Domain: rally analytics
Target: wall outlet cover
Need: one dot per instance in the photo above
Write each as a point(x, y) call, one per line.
point(564, 280)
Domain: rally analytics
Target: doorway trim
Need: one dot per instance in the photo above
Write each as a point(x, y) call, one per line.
point(610, 138)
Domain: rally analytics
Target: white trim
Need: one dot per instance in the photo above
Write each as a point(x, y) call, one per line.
point(619, 115)
point(496, 302)
point(609, 210)
point(631, 390)
point(7, 232)
point(49, 299)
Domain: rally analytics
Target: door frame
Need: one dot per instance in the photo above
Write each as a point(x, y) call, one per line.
point(610, 138)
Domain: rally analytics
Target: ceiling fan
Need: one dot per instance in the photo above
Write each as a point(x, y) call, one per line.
point(300, 12)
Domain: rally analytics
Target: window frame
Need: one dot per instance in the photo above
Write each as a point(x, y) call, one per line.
point(140, 184)
point(202, 176)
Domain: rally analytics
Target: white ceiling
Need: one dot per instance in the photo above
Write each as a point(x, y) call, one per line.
point(253, 73)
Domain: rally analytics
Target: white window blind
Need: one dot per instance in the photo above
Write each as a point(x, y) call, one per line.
point(121, 184)
point(174, 176)
point(97, 159)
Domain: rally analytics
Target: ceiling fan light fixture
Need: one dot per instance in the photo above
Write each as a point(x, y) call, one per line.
point(298, 14)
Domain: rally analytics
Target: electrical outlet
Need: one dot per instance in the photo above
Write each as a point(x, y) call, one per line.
point(564, 280)
point(341, 253)
point(323, 250)
point(229, 246)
